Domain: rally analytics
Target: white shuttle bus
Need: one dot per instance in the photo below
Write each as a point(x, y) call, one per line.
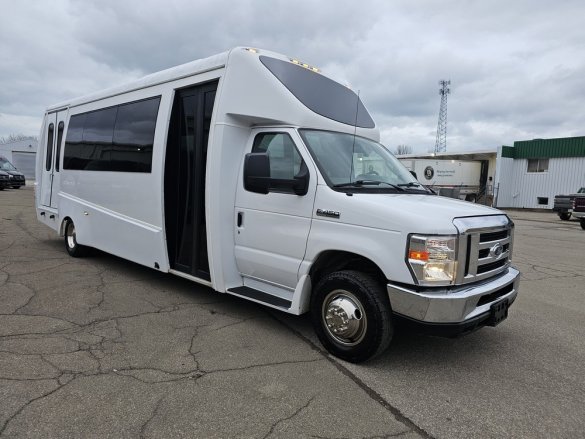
point(258, 176)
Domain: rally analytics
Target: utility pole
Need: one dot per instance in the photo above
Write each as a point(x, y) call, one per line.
point(441, 142)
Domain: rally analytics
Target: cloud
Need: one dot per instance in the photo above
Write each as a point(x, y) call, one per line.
point(517, 69)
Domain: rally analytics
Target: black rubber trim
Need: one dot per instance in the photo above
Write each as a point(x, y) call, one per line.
point(449, 330)
point(261, 296)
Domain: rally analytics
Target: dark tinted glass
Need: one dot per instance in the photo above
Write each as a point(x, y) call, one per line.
point(60, 129)
point(73, 146)
point(134, 136)
point(319, 93)
point(50, 135)
point(97, 140)
point(113, 139)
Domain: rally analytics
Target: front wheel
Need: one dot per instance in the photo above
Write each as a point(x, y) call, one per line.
point(351, 315)
point(582, 223)
point(73, 248)
point(565, 216)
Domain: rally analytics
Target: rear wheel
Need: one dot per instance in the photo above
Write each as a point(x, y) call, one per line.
point(351, 315)
point(582, 223)
point(565, 216)
point(73, 248)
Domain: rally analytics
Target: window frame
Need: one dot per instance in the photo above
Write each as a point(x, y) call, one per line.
point(539, 169)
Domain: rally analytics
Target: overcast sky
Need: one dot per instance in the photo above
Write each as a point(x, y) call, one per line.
point(517, 68)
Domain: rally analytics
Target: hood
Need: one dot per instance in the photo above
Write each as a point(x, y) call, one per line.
point(410, 213)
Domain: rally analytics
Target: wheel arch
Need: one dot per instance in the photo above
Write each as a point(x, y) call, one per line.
point(63, 224)
point(330, 261)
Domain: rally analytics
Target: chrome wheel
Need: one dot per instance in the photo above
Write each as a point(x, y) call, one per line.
point(70, 235)
point(344, 317)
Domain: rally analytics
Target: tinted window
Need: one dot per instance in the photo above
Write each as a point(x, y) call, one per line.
point(72, 156)
point(50, 135)
point(319, 93)
point(113, 139)
point(134, 136)
point(60, 128)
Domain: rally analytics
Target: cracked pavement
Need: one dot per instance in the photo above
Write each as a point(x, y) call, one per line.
point(102, 347)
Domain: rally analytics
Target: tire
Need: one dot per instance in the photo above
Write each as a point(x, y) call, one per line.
point(472, 198)
point(365, 300)
point(582, 221)
point(73, 248)
point(15, 187)
point(565, 216)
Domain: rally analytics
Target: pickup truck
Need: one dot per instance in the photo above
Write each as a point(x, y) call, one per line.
point(563, 204)
point(579, 209)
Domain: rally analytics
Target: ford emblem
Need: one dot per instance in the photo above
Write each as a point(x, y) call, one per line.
point(497, 250)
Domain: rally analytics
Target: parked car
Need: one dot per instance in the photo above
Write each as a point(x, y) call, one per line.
point(4, 180)
point(15, 177)
point(579, 209)
point(563, 205)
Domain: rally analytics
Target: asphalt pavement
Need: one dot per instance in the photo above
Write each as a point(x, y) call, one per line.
point(102, 347)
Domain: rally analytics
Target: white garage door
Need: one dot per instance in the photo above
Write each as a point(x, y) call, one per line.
point(25, 163)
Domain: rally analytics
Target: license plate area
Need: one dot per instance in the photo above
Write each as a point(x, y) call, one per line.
point(498, 312)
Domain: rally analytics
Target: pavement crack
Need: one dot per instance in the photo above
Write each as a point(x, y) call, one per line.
point(398, 415)
point(21, 409)
point(288, 418)
point(152, 416)
point(254, 366)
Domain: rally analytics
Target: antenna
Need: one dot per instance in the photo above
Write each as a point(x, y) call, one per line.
point(357, 106)
point(441, 142)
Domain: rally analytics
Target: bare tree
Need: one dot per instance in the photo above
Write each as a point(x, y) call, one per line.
point(403, 149)
point(16, 138)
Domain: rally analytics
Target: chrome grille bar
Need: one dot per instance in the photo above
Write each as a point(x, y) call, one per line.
point(485, 247)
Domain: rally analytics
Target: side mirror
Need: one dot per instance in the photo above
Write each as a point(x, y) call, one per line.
point(257, 172)
point(301, 181)
point(257, 177)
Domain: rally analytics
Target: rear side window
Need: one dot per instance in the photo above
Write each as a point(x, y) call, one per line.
point(319, 93)
point(117, 138)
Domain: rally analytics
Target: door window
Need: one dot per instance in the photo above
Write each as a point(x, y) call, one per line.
point(285, 160)
point(50, 134)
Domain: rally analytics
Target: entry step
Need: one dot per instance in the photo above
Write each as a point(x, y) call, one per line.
point(260, 296)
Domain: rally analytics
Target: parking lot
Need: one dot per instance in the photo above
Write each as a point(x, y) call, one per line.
point(102, 347)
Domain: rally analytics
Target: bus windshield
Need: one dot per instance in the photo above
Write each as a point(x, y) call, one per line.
point(346, 160)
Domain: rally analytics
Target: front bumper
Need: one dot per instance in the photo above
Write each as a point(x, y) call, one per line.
point(459, 309)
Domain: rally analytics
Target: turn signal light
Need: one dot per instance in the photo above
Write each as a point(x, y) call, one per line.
point(418, 255)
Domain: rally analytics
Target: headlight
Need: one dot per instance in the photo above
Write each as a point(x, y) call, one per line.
point(432, 259)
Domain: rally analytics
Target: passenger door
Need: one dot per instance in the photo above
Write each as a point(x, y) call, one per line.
point(271, 230)
point(185, 168)
point(53, 144)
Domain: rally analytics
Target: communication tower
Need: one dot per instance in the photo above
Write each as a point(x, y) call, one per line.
point(441, 142)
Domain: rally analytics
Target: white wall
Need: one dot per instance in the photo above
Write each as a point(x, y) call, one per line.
point(521, 189)
point(21, 154)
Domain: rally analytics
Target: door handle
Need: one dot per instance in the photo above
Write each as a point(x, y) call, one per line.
point(240, 219)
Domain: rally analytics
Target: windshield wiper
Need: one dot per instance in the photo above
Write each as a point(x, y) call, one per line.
point(416, 185)
point(359, 183)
